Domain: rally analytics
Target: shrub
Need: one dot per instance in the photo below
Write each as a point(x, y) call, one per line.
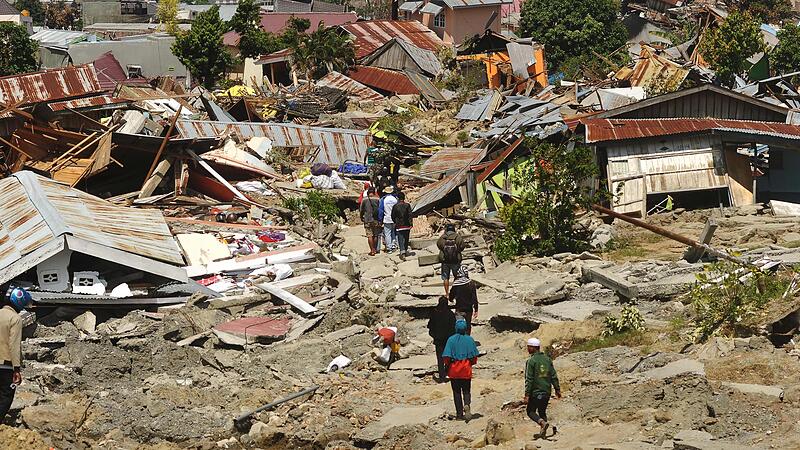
point(555, 183)
point(630, 319)
point(726, 296)
point(320, 205)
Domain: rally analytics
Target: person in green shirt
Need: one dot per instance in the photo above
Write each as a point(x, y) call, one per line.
point(540, 379)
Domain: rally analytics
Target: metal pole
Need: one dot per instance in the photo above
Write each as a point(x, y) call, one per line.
point(163, 144)
point(674, 236)
point(243, 421)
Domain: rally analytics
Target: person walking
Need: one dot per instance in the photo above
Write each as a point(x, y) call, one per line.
point(385, 217)
point(540, 379)
point(440, 328)
point(369, 215)
point(451, 246)
point(465, 294)
point(11, 346)
point(401, 216)
point(460, 354)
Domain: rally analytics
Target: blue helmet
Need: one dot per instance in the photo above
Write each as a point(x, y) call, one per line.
point(19, 298)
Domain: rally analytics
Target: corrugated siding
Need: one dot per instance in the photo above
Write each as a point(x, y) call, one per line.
point(73, 81)
point(352, 87)
point(336, 145)
point(448, 160)
point(371, 34)
point(22, 229)
point(138, 231)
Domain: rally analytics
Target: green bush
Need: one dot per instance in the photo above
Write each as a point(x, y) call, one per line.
point(556, 183)
point(630, 319)
point(320, 205)
point(727, 296)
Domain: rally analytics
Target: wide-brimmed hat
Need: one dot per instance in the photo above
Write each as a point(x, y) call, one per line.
point(388, 189)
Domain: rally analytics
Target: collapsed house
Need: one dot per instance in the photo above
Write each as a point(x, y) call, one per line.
point(71, 247)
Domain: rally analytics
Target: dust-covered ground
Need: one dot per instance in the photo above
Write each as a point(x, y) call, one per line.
point(130, 385)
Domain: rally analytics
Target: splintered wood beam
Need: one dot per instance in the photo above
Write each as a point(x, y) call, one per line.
point(163, 143)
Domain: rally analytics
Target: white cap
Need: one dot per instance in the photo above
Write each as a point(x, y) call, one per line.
point(533, 342)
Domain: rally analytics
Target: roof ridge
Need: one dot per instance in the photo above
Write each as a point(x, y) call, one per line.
point(50, 215)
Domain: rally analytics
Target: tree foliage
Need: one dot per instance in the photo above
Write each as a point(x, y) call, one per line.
point(555, 183)
point(201, 49)
point(574, 32)
point(322, 51)
point(727, 47)
point(63, 16)
point(786, 56)
point(766, 11)
point(17, 50)
point(167, 14)
point(727, 297)
point(35, 10)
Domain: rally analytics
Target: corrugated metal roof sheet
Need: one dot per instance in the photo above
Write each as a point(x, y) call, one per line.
point(93, 102)
point(425, 59)
point(371, 34)
point(431, 8)
point(411, 7)
point(38, 210)
point(601, 130)
point(336, 145)
point(353, 88)
point(58, 38)
point(448, 160)
point(480, 109)
point(425, 87)
point(109, 71)
point(432, 193)
point(384, 79)
point(475, 3)
point(55, 84)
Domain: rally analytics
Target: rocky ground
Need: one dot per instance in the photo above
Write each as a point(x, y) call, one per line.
point(130, 385)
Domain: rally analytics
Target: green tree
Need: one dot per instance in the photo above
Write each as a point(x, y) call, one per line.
point(555, 183)
point(727, 47)
point(34, 8)
point(201, 49)
point(575, 32)
point(167, 14)
point(18, 53)
point(766, 11)
point(785, 58)
point(253, 40)
point(322, 51)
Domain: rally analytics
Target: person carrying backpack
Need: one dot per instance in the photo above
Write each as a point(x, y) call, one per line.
point(451, 246)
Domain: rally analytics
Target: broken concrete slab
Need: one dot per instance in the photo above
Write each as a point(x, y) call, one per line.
point(611, 280)
point(780, 208)
point(412, 269)
point(300, 327)
point(376, 271)
point(675, 368)
point(757, 389)
point(574, 310)
point(398, 416)
point(483, 280)
point(86, 322)
point(345, 333)
point(202, 249)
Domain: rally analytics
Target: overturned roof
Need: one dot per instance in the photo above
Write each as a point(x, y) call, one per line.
point(369, 35)
point(336, 145)
point(353, 88)
point(109, 71)
point(48, 85)
point(604, 130)
point(42, 217)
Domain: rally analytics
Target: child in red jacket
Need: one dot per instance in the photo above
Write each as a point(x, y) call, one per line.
point(460, 354)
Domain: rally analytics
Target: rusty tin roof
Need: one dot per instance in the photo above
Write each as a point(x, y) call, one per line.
point(384, 79)
point(449, 160)
point(371, 34)
point(353, 88)
point(39, 210)
point(602, 130)
point(336, 145)
point(48, 85)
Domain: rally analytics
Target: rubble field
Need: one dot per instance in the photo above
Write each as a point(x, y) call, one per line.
point(167, 379)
